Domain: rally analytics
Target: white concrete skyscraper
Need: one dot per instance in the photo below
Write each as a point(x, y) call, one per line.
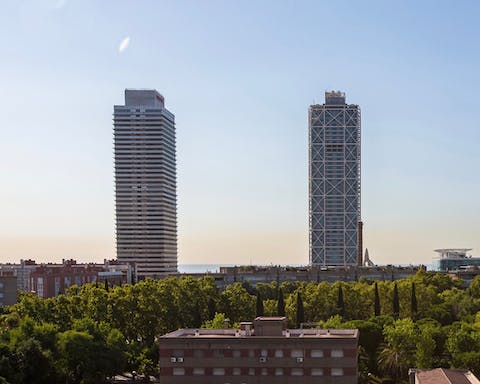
point(145, 183)
point(334, 182)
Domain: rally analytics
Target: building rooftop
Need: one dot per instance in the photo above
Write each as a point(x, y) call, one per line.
point(292, 333)
point(444, 376)
point(270, 318)
point(144, 97)
point(335, 98)
point(453, 253)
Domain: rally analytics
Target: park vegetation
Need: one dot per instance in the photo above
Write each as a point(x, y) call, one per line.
point(93, 332)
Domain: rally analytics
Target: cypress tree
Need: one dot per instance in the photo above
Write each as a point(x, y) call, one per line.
point(197, 316)
point(212, 308)
point(340, 302)
point(413, 302)
point(377, 301)
point(396, 303)
point(259, 310)
point(106, 285)
point(280, 303)
point(300, 312)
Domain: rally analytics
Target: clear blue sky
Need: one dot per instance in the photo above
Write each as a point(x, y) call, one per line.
point(239, 76)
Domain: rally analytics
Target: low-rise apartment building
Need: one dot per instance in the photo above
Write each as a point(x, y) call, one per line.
point(260, 352)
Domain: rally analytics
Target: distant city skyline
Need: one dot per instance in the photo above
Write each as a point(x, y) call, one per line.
point(240, 77)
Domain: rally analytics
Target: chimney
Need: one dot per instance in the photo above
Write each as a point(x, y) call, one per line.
point(246, 328)
point(270, 326)
point(360, 244)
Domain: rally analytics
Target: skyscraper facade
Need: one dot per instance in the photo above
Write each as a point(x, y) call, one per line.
point(334, 182)
point(145, 184)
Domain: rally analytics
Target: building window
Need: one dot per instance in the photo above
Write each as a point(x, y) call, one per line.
point(316, 353)
point(198, 353)
point(251, 371)
point(278, 371)
point(337, 353)
point(218, 371)
point(297, 372)
point(264, 353)
point(279, 353)
point(337, 371)
point(40, 286)
point(236, 353)
point(218, 353)
point(198, 371)
point(317, 372)
point(178, 371)
point(178, 352)
point(57, 286)
point(237, 371)
point(251, 353)
point(264, 372)
point(297, 353)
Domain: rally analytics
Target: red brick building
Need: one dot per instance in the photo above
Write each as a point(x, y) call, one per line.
point(263, 352)
point(50, 280)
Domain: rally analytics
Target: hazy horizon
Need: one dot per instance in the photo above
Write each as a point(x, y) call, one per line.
point(239, 77)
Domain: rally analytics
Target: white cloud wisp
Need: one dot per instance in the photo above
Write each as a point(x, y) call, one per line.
point(124, 44)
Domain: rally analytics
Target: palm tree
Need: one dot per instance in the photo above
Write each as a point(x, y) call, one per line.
point(393, 361)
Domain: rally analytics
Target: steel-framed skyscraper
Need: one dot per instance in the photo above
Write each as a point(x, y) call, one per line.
point(334, 182)
point(145, 183)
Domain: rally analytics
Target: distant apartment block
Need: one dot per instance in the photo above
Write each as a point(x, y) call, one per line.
point(8, 288)
point(50, 279)
point(22, 271)
point(260, 352)
point(145, 184)
point(334, 182)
